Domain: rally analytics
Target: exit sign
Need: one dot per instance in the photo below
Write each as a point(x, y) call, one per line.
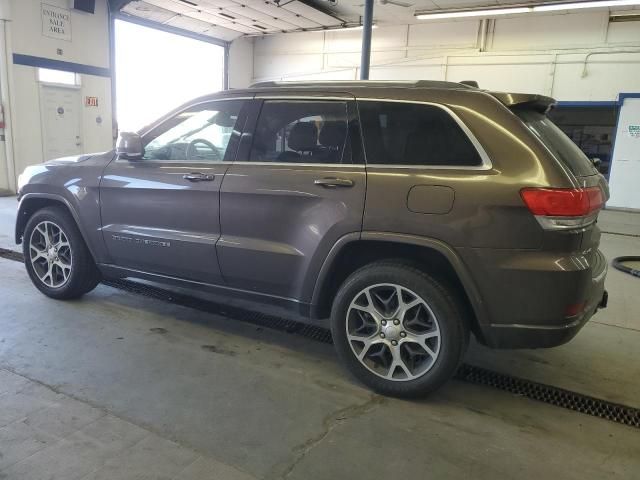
point(90, 101)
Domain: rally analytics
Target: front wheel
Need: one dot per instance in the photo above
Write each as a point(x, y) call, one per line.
point(398, 330)
point(57, 259)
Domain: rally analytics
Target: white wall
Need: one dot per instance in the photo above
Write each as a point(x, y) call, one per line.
point(89, 45)
point(542, 53)
point(240, 63)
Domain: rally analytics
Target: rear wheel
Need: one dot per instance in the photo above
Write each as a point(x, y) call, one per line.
point(398, 330)
point(56, 257)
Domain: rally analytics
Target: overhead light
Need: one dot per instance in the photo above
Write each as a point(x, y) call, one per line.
point(355, 27)
point(485, 12)
point(624, 17)
point(552, 7)
point(549, 7)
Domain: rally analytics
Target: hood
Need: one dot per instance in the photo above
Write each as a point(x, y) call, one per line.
point(74, 159)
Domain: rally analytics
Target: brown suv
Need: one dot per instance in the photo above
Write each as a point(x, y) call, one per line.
point(410, 214)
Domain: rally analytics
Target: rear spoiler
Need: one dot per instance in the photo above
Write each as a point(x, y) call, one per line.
point(525, 101)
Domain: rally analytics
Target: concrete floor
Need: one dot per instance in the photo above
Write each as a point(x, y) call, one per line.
point(120, 386)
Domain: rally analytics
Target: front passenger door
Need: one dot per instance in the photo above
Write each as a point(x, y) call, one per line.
point(160, 214)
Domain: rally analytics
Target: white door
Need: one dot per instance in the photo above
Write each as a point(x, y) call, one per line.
point(624, 179)
point(61, 121)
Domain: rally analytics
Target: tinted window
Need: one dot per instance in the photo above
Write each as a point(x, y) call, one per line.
point(560, 145)
point(301, 132)
point(414, 134)
point(200, 133)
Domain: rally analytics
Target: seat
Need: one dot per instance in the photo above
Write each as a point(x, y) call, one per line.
point(331, 138)
point(303, 138)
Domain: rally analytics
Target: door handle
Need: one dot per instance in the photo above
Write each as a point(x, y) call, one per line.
point(198, 177)
point(333, 182)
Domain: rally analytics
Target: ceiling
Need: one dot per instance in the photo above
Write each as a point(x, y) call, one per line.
point(229, 19)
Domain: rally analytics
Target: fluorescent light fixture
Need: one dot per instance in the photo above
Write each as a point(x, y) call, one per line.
point(552, 7)
point(487, 12)
point(549, 7)
point(344, 29)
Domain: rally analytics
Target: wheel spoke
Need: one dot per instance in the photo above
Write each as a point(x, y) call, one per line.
point(398, 362)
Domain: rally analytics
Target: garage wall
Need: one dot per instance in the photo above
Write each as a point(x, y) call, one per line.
point(542, 53)
point(88, 46)
point(240, 63)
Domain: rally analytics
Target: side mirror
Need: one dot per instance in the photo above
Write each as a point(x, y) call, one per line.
point(596, 162)
point(129, 146)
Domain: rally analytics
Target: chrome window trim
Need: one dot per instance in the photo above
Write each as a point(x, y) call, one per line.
point(486, 161)
point(294, 164)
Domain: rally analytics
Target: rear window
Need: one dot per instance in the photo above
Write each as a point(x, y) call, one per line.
point(555, 140)
point(397, 133)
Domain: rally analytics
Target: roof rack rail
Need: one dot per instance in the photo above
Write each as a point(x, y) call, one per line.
point(369, 83)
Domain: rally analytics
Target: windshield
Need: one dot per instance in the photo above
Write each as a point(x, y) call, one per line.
point(555, 140)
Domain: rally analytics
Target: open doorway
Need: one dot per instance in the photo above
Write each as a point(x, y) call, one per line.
point(591, 127)
point(157, 71)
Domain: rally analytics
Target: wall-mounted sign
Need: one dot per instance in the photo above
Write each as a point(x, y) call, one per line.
point(56, 22)
point(90, 101)
point(634, 131)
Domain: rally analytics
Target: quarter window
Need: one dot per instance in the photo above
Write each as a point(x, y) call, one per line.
point(301, 132)
point(414, 134)
point(197, 134)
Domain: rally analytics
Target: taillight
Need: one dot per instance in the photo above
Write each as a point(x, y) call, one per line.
point(563, 208)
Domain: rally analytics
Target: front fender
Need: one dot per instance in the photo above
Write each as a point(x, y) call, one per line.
point(31, 202)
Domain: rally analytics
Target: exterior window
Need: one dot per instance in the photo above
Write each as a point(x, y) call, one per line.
point(198, 134)
point(414, 134)
point(301, 132)
point(555, 139)
point(60, 77)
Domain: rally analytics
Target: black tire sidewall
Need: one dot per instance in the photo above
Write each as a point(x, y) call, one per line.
point(82, 278)
point(453, 329)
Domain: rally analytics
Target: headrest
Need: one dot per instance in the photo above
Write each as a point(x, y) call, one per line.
point(303, 136)
point(333, 134)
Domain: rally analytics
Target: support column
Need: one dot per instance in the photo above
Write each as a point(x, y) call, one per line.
point(367, 26)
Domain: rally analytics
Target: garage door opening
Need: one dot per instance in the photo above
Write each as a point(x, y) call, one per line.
point(157, 71)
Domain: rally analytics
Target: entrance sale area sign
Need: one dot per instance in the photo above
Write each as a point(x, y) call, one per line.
point(56, 22)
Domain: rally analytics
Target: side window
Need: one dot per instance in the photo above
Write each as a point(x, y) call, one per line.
point(301, 132)
point(413, 134)
point(199, 134)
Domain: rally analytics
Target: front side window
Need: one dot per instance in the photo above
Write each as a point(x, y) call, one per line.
point(198, 134)
point(290, 131)
point(398, 133)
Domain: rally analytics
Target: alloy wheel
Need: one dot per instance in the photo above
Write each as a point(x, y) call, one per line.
point(50, 254)
point(393, 332)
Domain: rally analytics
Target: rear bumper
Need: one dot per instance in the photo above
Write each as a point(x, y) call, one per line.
point(548, 327)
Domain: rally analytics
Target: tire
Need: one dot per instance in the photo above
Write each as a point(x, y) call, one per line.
point(62, 267)
point(435, 321)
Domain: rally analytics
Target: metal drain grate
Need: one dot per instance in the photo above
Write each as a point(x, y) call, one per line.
point(552, 395)
point(468, 373)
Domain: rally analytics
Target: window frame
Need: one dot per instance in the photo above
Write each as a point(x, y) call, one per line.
point(484, 157)
point(354, 132)
point(147, 132)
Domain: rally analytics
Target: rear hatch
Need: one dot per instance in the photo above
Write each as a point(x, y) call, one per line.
point(532, 110)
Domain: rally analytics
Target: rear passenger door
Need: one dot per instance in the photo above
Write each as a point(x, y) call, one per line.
point(298, 185)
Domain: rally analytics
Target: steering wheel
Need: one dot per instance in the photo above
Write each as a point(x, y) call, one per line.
point(192, 152)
